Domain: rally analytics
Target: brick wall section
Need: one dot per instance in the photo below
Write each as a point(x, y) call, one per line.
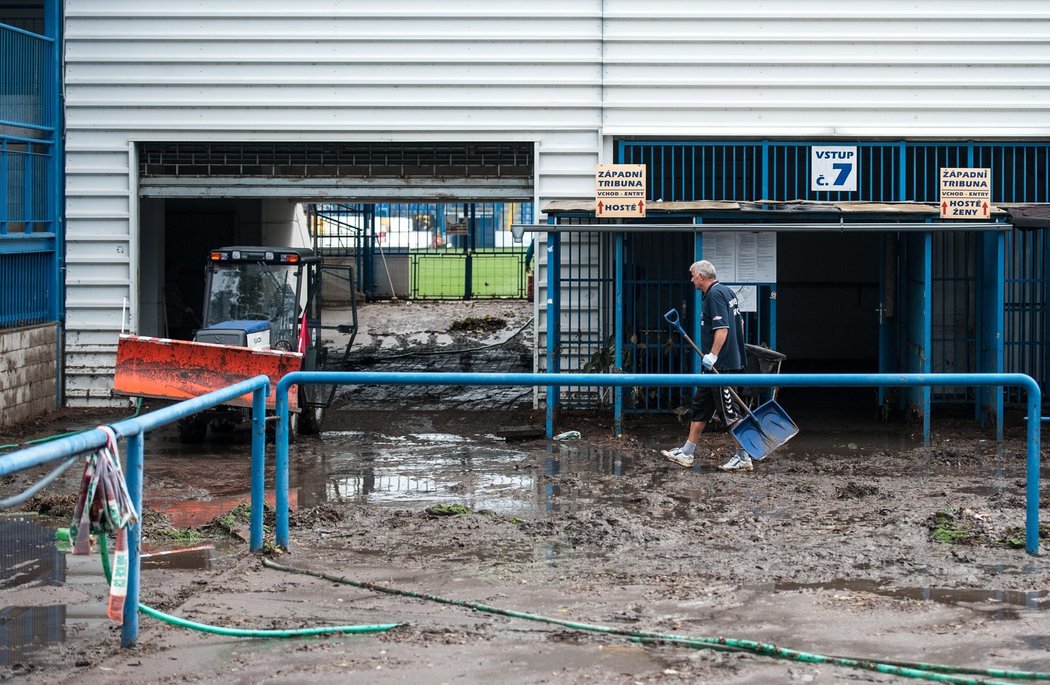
point(27, 372)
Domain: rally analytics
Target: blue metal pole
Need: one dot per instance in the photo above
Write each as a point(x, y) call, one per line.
point(255, 538)
point(129, 632)
point(1031, 518)
point(56, 182)
point(553, 322)
point(696, 313)
point(1000, 327)
point(281, 469)
point(927, 329)
point(618, 268)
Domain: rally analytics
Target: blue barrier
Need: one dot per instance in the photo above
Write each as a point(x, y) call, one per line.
point(551, 380)
point(133, 431)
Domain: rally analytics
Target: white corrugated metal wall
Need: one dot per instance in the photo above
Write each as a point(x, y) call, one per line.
point(567, 74)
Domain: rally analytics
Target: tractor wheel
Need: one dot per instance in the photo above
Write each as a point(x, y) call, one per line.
point(192, 429)
point(310, 418)
point(293, 428)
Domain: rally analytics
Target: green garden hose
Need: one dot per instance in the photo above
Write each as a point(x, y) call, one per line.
point(935, 672)
point(103, 548)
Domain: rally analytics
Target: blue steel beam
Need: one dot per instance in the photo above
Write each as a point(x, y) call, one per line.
point(553, 321)
point(618, 268)
point(816, 380)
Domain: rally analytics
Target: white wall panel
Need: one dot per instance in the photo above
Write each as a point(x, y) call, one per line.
point(562, 73)
point(773, 69)
point(164, 70)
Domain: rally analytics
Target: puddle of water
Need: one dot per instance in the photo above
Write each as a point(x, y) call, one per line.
point(31, 565)
point(992, 604)
point(850, 442)
point(581, 458)
point(198, 557)
point(25, 630)
point(33, 569)
point(28, 554)
point(439, 468)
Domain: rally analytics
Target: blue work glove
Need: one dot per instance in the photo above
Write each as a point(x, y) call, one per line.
point(709, 361)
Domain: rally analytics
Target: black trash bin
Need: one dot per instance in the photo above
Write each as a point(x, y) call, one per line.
point(761, 360)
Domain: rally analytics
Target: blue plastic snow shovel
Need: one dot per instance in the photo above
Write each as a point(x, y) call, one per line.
point(762, 430)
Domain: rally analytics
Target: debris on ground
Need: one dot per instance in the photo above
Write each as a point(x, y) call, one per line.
point(479, 324)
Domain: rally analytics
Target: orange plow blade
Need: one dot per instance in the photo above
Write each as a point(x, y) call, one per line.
point(179, 369)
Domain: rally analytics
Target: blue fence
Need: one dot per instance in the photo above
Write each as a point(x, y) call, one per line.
point(134, 430)
point(558, 380)
point(30, 174)
point(893, 171)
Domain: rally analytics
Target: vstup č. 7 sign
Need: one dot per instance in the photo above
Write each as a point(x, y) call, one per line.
point(965, 193)
point(619, 191)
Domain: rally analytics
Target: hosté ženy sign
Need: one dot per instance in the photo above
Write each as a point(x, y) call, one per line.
point(619, 191)
point(966, 193)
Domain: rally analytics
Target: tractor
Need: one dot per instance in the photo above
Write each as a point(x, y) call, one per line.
point(261, 315)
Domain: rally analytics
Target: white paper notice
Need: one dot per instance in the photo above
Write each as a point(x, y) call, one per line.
point(766, 251)
point(720, 250)
point(746, 257)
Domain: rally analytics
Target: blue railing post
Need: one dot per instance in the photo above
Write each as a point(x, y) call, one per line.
point(618, 268)
point(553, 323)
point(129, 632)
point(1031, 527)
point(258, 494)
point(281, 465)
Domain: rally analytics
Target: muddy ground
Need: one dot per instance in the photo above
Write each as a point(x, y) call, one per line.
point(829, 546)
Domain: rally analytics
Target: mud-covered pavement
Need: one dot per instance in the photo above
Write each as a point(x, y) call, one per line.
point(829, 546)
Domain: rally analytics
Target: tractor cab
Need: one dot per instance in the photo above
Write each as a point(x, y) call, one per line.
point(262, 297)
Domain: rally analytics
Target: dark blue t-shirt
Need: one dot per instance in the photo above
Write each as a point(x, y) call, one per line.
point(721, 310)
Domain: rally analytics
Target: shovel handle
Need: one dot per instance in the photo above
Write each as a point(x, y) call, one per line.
point(672, 318)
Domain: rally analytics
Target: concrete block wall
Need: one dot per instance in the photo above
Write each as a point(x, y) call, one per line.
point(28, 372)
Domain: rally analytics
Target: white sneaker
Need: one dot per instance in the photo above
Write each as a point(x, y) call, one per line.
point(739, 462)
point(678, 456)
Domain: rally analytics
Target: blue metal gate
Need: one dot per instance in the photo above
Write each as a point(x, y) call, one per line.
point(894, 171)
point(453, 250)
point(30, 174)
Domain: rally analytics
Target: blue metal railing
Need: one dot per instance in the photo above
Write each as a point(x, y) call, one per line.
point(133, 430)
point(553, 380)
point(25, 66)
point(31, 173)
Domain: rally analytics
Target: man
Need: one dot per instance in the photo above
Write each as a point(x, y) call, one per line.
point(722, 335)
point(179, 316)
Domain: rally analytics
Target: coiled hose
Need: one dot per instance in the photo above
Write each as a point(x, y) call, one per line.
point(935, 672)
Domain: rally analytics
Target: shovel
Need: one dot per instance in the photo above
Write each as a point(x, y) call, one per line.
point(762, 430)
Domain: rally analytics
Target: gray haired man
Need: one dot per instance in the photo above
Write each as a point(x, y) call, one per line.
point(722, 335)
